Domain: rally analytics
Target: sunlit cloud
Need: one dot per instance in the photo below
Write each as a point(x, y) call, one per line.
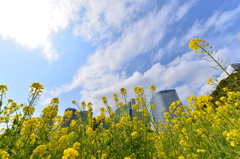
point(31, 23)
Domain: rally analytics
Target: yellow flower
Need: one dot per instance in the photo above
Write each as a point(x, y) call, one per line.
point(28, 110)
point(152, 89)
point(144, 112)
point(3, 154)
point(36, 87)
point(209, 81)
point(223, 99)
point(133, 156)
point(180, 157)
point(104, 156)
point(70, 152)
point(74, 102)
point(104, 100)
point(10, 100)
point(115, 97)
point(120, 104)
point(39, 151)
point(76, 145)
point(109, 108)
point(195, 44)
point(90, 131)
point(83, 104)
point(55, 100)
point(123, 91)
point(135, 106)
point(135, 90)
point(201, 150)
point(134, 134)
point(89, 105)
point(153, 106)
point(3, 88)
point(233, 143)
point(73, 123)
point(102, 110)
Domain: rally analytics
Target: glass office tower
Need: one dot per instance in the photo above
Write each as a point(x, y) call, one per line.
point(127, 109)
point(83, 115)
point(163, 99)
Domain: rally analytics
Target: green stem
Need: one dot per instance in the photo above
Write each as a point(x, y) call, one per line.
point(220, 66)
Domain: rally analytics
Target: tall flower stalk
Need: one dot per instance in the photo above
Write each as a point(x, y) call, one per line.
point(197, 44)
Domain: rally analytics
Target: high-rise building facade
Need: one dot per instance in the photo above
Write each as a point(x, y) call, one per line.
point(83, 116)
point(127, 109)
point(163, 99)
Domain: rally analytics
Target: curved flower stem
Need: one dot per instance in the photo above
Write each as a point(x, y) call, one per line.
point(220, 66)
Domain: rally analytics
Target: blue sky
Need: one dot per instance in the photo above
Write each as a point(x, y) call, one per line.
point(84, 50)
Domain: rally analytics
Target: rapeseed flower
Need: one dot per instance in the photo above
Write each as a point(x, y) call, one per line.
point(28, 110)
point(152, 89)
point(74, 102)
point(55, 101)
point(39, 152)
point(3, 88)
point(4, 154)
point(104, 100)
point(71, 153)
point(135, 106)
point(123, 91)
point(10, 100)
point(195, 44)
point(201, 150)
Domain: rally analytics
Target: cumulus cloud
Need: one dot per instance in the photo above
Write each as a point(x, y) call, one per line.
point(106, 18)
point(100, 75)
point(187, 68)
point(218, 22)
point(31, 23)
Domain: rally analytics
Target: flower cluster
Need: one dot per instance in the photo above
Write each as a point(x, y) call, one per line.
point(205, 128)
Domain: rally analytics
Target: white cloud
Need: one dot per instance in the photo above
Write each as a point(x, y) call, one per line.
point(218, 22)
point(188, 69)
point(192, 72)
point(31, 23)
point(99, 76)
point(157, 56)
point(101, 19)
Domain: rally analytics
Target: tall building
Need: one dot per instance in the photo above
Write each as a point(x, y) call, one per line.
point(83, 115)
point(163, 99)
point(127, 109)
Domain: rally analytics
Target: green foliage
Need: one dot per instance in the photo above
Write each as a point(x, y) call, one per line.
point(226, 83)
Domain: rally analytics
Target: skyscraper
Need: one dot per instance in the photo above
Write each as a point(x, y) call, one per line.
point(83, 115)
point(127, 109)
point(163, 99)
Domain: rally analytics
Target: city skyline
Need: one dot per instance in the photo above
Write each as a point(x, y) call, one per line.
point(84, 50)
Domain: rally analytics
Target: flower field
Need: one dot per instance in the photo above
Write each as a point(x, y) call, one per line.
point(201, 129)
